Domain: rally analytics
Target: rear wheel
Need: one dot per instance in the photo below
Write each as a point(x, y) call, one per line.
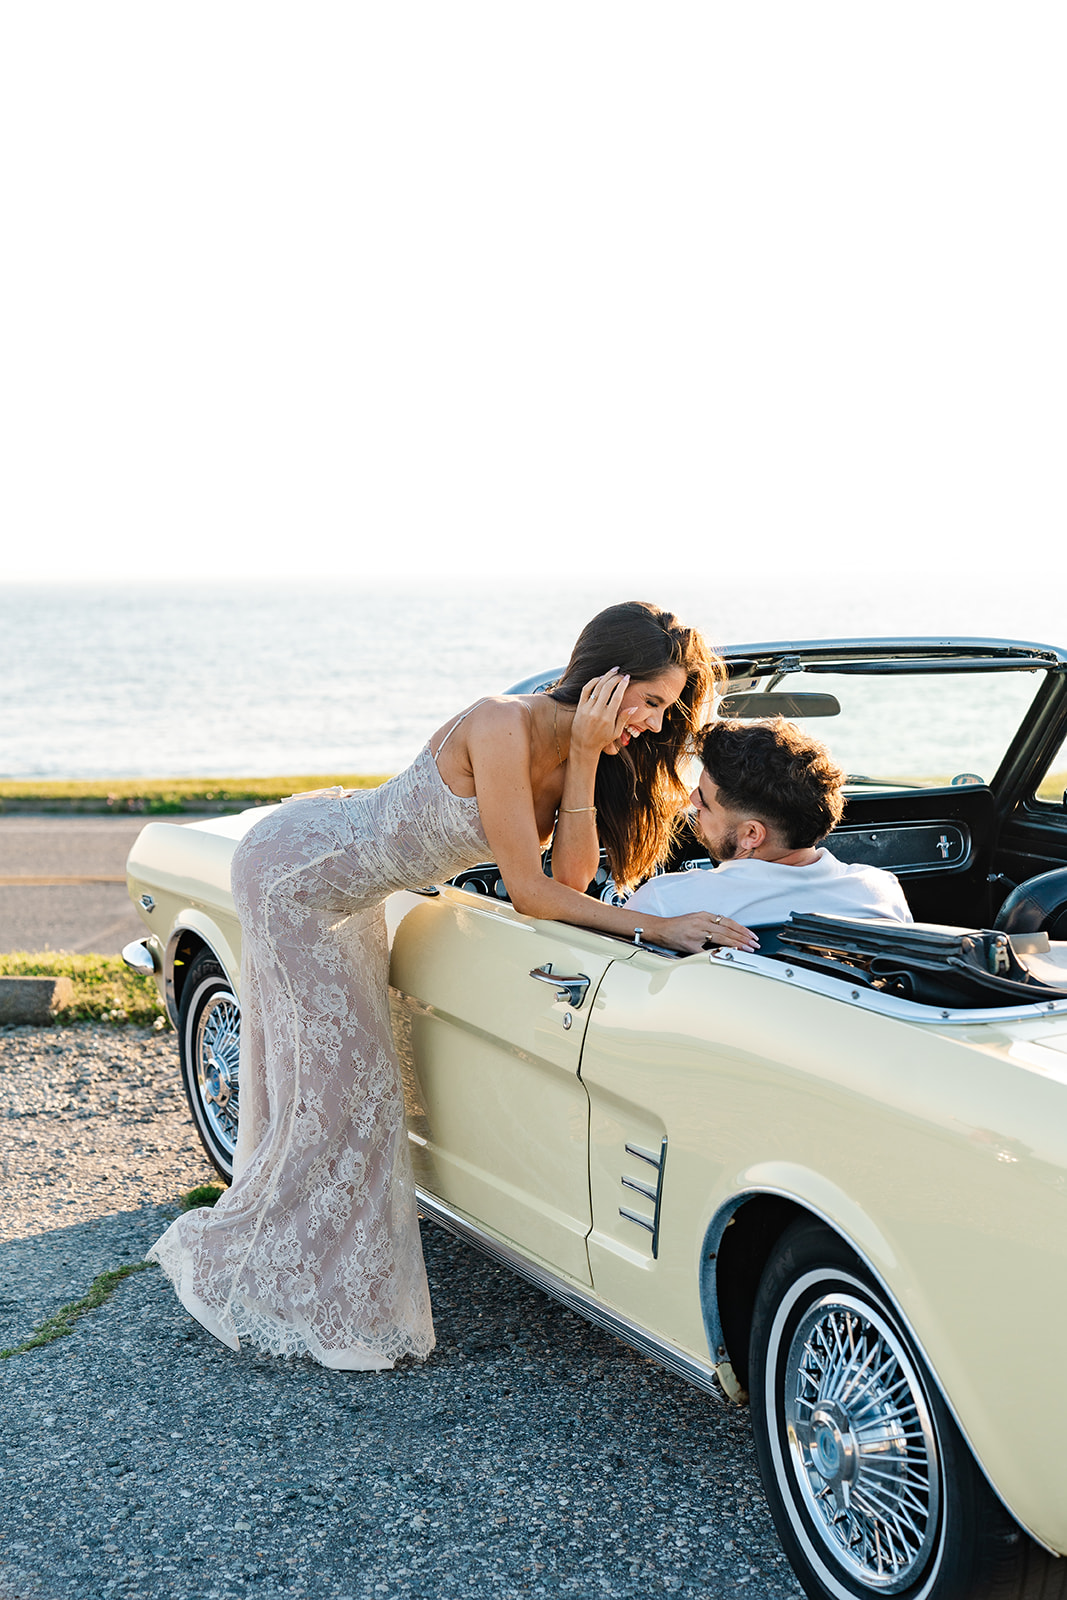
point(209, 1037)
point(872, 1488)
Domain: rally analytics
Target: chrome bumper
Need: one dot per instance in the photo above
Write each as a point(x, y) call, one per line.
point(141, 958)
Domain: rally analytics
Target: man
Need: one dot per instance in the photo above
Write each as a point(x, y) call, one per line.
point(766, 795)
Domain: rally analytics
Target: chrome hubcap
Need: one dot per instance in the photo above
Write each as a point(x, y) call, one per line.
point(861, 1442)
point(216, 1053)
point(834, 1451)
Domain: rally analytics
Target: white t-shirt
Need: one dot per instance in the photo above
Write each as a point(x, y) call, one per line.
point(752, 892)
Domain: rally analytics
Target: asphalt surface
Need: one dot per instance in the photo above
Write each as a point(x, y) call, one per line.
point(532, 1455)
point(91, 914)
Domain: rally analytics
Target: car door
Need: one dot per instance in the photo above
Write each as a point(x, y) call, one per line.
point(649, 1069)
point(498, 1117)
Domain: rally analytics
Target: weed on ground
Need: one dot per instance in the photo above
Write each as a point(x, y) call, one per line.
point(105, 989)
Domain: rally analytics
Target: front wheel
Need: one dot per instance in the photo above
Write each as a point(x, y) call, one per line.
point(871, 1486)
point(209, 1038)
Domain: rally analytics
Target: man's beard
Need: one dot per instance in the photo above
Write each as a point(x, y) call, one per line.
point(724, 847)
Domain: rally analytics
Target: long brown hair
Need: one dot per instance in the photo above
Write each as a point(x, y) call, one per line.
point(639, 793)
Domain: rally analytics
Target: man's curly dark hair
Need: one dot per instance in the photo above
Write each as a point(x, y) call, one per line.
point(774, 773)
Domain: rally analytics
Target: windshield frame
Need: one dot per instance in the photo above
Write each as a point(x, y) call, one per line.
point(1035, 742)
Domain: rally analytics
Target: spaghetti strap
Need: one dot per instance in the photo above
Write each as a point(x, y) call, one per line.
point(456, 724)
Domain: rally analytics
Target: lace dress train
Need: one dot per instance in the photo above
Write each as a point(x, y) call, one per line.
point(315, 1248)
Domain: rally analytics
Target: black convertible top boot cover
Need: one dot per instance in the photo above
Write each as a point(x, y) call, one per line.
point(931, 963)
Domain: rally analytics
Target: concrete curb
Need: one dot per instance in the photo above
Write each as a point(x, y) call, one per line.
point(33, 1001)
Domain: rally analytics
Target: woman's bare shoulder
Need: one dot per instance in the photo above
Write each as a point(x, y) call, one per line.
point(492, 716)
point(498, 716)
point(504, 708)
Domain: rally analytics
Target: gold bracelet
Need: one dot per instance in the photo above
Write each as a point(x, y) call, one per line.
point(572, 811)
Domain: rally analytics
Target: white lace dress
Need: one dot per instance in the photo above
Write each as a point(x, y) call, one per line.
point(315, 1248)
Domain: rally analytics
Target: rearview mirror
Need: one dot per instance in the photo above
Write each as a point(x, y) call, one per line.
point(779, 705)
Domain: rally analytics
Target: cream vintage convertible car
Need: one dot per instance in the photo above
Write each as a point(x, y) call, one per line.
point(831, 1176)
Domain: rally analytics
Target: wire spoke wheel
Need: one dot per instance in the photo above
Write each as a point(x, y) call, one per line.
point(209, 1041)
point(861, 1442)
point(872, 1487)
point(216, 1052)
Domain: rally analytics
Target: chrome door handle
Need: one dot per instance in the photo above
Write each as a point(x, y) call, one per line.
point(571, 989)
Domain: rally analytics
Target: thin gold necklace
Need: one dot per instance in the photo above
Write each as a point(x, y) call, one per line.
point(555, 735)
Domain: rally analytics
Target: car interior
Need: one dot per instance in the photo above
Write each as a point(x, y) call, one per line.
point(949, 959)
point(986, 880)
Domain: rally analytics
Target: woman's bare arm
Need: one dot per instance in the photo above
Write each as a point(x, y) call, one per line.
point(499, 746)
point(599, 717)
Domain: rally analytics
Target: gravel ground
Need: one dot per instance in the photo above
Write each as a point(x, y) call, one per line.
point(532, 1455)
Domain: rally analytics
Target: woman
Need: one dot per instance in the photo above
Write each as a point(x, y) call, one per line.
point(315, 1249)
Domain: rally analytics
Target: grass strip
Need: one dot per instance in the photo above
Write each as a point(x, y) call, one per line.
point(205, 1194)
point(167, 796)
point(173, 796)
point(105, 990)
point(61, 1322)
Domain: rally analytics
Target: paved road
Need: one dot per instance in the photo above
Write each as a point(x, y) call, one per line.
point(93, 914)
point(532, 1456)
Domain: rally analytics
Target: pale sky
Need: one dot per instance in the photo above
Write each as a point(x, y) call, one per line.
point(560, 288)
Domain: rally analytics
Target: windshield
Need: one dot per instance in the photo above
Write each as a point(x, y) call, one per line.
point(925, 729)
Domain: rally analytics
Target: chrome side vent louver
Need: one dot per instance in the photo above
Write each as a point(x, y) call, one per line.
point(659, 1162)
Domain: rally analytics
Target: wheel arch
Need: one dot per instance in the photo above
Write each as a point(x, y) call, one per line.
point(192, 933)
point(738, 1242)
point(744, 1230)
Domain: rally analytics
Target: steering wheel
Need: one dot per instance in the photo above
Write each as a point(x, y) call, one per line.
point(1039, 903)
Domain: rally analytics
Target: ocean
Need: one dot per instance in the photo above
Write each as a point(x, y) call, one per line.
point(212, 679)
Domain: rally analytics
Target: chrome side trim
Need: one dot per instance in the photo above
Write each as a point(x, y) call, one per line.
point(698, 1373)
point(642, 1222)
point(890, 1005)
point(641, 1188)
point(655, 1195)
point(643, 1155)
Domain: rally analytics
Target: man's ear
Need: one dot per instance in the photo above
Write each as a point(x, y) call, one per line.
point(752, 835)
